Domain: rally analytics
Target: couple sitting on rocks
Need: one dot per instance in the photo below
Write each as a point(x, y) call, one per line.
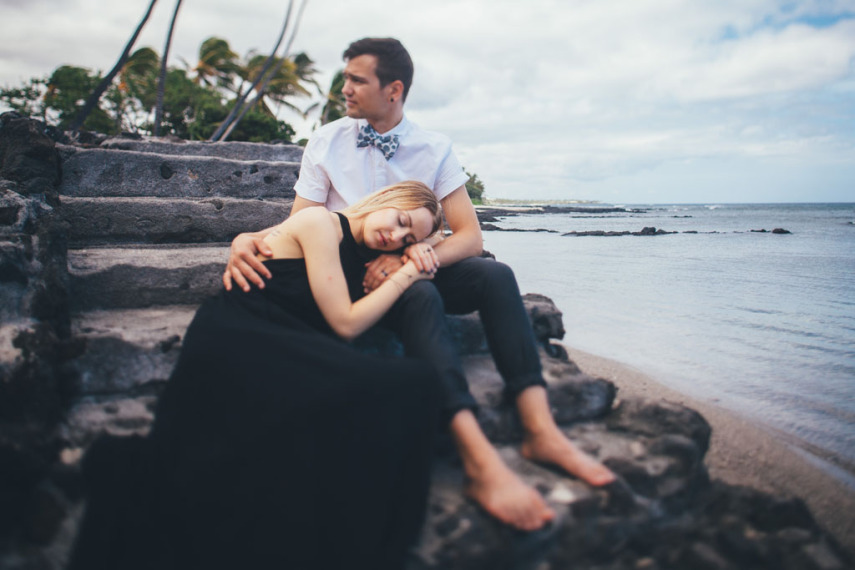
point(273, 439)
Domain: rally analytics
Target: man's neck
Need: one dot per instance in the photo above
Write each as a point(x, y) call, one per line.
point(386, 124)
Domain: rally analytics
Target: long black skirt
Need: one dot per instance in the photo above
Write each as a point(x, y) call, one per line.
point(274, 446)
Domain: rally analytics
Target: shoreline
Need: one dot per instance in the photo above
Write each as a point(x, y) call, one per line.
point(743, 452)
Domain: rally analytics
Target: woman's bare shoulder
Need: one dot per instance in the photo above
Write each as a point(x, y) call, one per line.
point(313, 216)
point(316, 224)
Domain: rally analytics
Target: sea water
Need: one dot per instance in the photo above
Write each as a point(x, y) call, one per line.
point(763, 323)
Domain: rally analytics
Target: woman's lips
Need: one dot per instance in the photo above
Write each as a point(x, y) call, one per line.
point(383, 240)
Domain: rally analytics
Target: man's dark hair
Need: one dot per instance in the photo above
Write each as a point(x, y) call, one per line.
point(393, 60)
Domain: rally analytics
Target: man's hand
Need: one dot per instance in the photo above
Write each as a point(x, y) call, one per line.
point(243, 264)
point(423, 256)
point(378, 270)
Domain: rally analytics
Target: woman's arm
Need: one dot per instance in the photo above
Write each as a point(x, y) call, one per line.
point(317, 232)
point(243, 265)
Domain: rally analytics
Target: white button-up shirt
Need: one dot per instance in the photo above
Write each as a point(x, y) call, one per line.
point(337, 173)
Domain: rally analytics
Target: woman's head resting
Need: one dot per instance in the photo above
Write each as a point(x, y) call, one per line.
point(396, 216)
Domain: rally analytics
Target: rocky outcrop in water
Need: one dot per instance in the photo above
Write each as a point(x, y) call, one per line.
point(106, 251)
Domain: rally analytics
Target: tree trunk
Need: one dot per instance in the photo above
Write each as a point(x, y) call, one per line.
point(161, 80)
point(105, 83)
point(270, 76)
point(218, 134)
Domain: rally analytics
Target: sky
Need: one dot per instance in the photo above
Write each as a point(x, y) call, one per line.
point(616, 101)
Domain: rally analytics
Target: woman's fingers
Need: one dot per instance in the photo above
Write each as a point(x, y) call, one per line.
point(424, 257)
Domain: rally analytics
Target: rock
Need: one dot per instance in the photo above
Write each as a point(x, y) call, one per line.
point(546, 319)
point(660, 417)
point(233, 150)
point(133, 277)
point(28, 157)
point(780, 231)
point(100, 172)
point(92, 221)
point(647, 231)
point(819, 556)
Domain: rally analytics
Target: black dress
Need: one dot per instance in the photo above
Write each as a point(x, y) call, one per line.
point(275, 445)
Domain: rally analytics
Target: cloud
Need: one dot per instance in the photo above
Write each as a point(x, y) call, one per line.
point(562, 98)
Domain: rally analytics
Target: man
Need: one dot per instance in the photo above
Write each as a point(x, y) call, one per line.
point(374, 146)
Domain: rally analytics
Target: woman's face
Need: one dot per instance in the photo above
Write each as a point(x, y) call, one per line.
point(391, 229)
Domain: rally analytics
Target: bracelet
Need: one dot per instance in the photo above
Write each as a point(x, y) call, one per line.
point(400, 286)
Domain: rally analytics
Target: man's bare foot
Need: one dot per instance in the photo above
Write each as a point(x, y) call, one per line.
point(505, 496)
point(552, 446)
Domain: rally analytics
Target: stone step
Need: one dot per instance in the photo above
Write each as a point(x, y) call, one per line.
point(130, 349)
point(99, 172)
point(144, 276)
point(167, 220)
point(235, 150)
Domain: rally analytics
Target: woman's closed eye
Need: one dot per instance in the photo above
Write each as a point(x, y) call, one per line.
point(406, 222)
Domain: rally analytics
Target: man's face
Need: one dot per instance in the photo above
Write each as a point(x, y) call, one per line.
point(363, 96)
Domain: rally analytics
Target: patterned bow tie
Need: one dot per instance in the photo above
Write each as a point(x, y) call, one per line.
point(387, 144)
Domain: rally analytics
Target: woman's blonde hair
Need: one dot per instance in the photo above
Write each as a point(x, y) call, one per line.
point(407, 195)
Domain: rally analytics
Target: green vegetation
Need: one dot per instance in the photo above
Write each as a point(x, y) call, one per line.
point(475, 188)
point(196, 99)
point(334, 107)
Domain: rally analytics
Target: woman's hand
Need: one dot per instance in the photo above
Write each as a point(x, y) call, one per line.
point(423, 256)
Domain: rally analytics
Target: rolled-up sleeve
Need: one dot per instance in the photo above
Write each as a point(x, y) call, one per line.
point(450, 175)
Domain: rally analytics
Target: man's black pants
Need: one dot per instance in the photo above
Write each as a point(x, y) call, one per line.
point(472, 284)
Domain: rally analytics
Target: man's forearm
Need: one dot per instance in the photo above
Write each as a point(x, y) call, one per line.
point(459, 246)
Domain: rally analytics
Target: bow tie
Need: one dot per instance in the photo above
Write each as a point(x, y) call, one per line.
point(387, 144)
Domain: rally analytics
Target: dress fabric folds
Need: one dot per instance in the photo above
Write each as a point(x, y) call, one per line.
point(275, 445)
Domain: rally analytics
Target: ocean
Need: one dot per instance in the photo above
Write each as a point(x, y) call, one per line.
point(761, 323)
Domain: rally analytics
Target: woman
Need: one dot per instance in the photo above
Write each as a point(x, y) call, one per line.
point(274, 443)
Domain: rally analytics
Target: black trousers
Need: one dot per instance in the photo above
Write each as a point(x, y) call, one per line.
point(472, 284)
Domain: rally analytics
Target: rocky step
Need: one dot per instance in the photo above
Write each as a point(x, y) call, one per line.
point(100, 172)
point(127, 349)
point(167, 220)
point(130, 355)
point(144, 276)
point(234, 150)
point(663, 512)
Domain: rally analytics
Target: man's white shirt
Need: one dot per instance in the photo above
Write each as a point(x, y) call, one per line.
point(337, 173)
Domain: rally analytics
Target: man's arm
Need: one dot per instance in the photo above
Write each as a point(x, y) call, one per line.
point(300, 203)
point(244, 265)
point(465, 239)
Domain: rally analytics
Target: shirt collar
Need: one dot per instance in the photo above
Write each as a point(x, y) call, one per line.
point(400, 129)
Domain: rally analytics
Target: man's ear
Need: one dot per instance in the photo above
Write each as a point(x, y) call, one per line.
point(396, 90)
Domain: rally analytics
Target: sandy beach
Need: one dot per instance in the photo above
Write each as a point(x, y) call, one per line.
point(745, 453)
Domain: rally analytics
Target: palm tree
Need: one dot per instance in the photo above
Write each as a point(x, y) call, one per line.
point(218, 65)
point(136, 91)
point(161, 82)
point(271, 59)
point(105, 83)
